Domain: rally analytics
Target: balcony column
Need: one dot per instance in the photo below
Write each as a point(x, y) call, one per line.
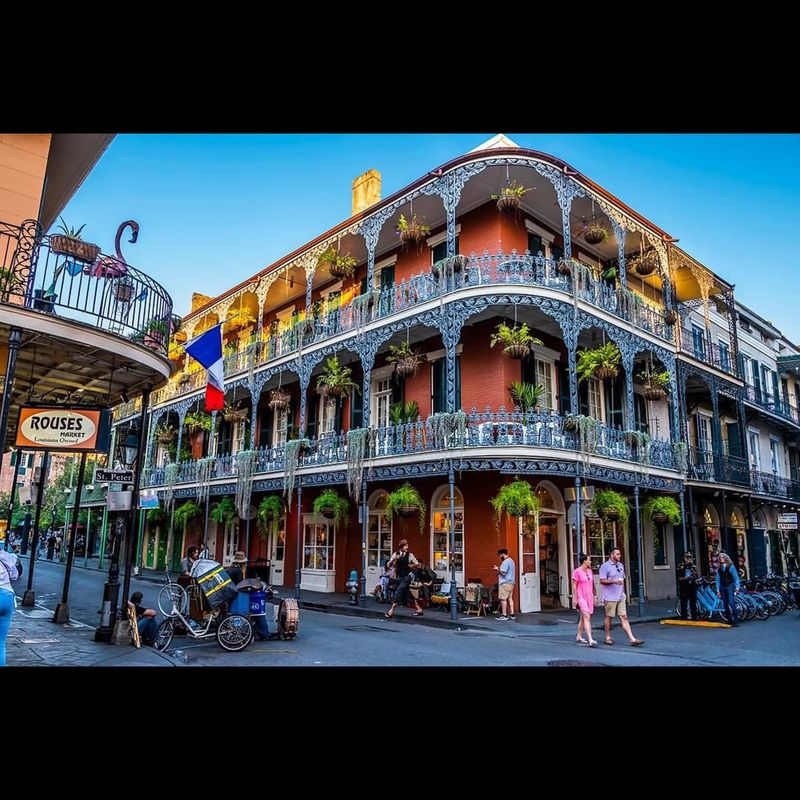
point(309, 281)
point(716, 434)
point(305, 379)
point(674, 397)
point(628, 356)
point(566, 190)
point(732, 334)
point(370, 230)
point(367, 348)
point(450, 328)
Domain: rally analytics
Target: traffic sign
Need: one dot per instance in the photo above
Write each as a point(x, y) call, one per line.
point(114, 475)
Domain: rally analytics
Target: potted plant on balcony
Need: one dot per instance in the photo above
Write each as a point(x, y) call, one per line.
point(279, 399)
point(231, 413)
point(196, 421)
point(670, 317)
point(515, 499)
point(663, 509)
point(449, 265)
point(517, 340)
point(646, 263)
point(611, 505)
point(165, 433)
point(601, 363)
point(656, 384)
point(526, 395)
point(594, 232)
point(343, 266)
point(403, 413)
point(510, 196)
point(333, 506)
point(406, 500)
point(69, 243)
point(154, 334)
point(223, 511)
point(335, 379)
point(269, 511)
point(10, 282)
point(412, 231)
point(406, 361)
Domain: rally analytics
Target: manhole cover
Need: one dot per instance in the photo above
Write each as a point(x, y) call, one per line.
point(572, 662)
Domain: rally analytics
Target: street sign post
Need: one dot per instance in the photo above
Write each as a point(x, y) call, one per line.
point(787, 521)
point(114, 475)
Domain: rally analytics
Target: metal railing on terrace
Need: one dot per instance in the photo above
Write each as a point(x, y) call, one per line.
point(703, 350)
point(452, 433)
point(444, 278)
point(716, 467)
point(78, 282)
point(774, 485)
point(766, 400)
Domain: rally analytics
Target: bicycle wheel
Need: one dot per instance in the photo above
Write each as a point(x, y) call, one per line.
point(234, 633)
point(166, 630)
point(172, 600)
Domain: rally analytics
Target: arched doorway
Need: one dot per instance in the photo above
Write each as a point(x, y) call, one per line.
point(379, 537)
point(740, 557)
point(711, 538)
point(440, 522)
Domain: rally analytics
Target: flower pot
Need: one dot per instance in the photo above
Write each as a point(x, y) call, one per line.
point(594, 235)
point(655, 393)
point(76, 248)
point(411, 235)
point(632, 439)
point(406, 367)
point(570, 424)
point(407, 511)
point(279, 400)
point(611, 514)
point(333, 391)
point(508, 204)
point(659, 517)
point(602, 373)
point(564, 267)
point(517, 351)
point(646, 264)
point(670, 317)
point(329, 512)
point(340, 271)
point(43, 302)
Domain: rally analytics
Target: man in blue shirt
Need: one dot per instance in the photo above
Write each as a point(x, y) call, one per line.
point(506, 576)
point(728, 586)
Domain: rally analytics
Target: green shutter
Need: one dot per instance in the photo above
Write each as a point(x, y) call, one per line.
point(312, 411)
point(458, 383)
point(756, 377)
point(356, 410)
point(439, 385)
point(337, 422)
point(387, 277)
point(734, 440)
point(529, 370)
point(563, 388)
point(290, 426)
point(265, 429)
point(398, 389)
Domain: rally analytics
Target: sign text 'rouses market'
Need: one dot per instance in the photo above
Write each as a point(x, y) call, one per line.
point(63, 429)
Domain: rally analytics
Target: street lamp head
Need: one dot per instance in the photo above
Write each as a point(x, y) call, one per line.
point(131, 447)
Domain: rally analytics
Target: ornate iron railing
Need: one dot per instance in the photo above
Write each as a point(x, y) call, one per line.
point(774, 485)
point(455, 434)
point(767, 401)
point(718, 467)
point(84, 286)
point(703, 350)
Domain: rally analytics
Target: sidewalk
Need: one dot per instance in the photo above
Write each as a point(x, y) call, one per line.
point(35, 641)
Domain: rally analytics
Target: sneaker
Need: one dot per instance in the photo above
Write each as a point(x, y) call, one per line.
point(502, 616)
point(511, 616)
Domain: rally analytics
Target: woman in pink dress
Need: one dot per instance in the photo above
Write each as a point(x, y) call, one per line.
point(583, 592)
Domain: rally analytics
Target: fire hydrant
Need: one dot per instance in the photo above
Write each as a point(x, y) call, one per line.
point(352, 587)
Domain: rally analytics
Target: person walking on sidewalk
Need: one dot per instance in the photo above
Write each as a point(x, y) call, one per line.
point(727, 586)
point(583, 593)
point(687, 586)
point(612, 579)
point(402, 561)
point(506, 577)
point(10, 570)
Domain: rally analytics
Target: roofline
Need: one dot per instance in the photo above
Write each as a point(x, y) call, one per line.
point(437, 173)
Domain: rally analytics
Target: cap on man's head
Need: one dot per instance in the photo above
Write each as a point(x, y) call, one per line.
point(239, 558)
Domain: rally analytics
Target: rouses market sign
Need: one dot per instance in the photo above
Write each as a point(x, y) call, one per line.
point(65, 429)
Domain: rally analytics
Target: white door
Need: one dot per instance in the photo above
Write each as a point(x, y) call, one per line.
point(211, 542)
point(529, 584)
point(230, 542)
point(277, 552)
point(379, 546)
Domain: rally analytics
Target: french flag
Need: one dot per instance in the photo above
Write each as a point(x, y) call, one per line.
point(207, 349)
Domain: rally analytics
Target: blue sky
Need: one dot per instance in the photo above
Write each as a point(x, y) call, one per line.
point(215, 209)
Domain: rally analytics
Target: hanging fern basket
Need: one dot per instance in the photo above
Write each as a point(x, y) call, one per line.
point(564, 267)
point(412, 235)
point(406, 367)
point(279, 400)
point(329, 512)
point(508, 204)
point(659, 517)
point(595, 235)
point(340, 270)
point(604, 373)
point(646, 264)
point(407, 511)
point(570, 424)
point(670, 317)
point(654, 393)
point(517, 351)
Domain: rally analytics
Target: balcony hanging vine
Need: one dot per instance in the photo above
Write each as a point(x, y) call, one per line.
point(360, 443)
point(245, 469)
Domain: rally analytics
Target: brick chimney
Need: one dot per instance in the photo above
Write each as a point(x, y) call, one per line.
point(366, 190)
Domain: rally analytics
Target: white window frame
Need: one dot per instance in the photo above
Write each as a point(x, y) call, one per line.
point(432, 241)
point(747, 369)
point(723, 345)
point(376, 377)
point(544, 355)
point(310, 521)
point(755, 452)
point(775, 455)
point(596, 387)
point(279, 437)
point(709, 419)
point(284, 316)
point(379, 267)
point(326, 416)
point(237, 436)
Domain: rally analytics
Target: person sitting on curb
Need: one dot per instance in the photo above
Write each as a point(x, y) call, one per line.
point(145, 620)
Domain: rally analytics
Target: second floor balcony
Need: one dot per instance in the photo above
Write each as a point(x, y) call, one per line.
point(769, 402)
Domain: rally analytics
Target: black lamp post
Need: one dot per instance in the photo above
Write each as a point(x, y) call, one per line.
point(129, 452)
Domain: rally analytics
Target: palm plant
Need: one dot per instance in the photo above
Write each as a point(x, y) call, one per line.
point(413, 230)
point(526, 395)
point(656, 384)
point(335, 379)
point(402, 413)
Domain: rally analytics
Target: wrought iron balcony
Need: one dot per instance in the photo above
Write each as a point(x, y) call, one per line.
point(453, 434)
point(700, 348)
point(498, 269)
point(774, 485)
point(715, 467)
point(766, 400)
point(88, 286)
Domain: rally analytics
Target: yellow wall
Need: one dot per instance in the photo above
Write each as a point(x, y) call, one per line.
point(23, 161)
